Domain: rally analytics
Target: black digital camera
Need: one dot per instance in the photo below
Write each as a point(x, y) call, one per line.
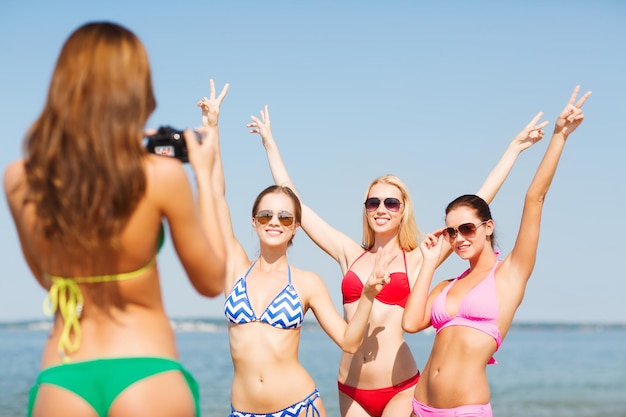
point(169, 142)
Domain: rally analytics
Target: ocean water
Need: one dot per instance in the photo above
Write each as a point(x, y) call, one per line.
point(543, 370)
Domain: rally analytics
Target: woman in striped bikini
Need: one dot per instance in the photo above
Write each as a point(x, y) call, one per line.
point(267, 299)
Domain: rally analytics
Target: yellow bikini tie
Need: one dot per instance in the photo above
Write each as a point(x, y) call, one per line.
point(66, 298)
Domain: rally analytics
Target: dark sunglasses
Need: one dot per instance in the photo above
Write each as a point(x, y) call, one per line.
point(284, 217)
point(391, 204)
point(466, 229)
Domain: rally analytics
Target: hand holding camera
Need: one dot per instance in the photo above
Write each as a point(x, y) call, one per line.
point(170, 142)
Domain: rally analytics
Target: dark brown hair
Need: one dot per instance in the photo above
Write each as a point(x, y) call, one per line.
point(477, 204)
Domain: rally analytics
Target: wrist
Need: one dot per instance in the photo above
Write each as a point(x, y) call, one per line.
point(368, 293)
point(560, 134)
point(514, 148)
point(201, 168)
point(429, 265)
point(268, 139)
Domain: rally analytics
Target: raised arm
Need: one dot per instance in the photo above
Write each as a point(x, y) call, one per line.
point(214, 177)
point(416, 315)
point(349, 336)
point(263, 127)
point(335, 243)
point(531, 134)
point(522, 257)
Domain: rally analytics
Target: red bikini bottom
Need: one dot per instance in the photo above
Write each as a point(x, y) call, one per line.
point(374, 401)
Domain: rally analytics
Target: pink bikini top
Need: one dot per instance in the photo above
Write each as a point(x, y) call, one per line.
point(478, 309)
point(396, 292)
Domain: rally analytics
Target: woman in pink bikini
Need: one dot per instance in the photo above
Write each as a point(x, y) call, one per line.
point(473, 312)
point(379, 379)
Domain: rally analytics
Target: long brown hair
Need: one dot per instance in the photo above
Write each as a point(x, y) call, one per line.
point(83, 155)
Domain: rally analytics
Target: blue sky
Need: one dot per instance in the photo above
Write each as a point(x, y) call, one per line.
point(430, 91)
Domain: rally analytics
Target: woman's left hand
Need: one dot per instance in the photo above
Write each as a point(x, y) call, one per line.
point(211, 106)
point(572, 115)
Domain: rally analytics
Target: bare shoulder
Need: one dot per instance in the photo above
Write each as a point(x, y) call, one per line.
point(166, 176)
point(304, 275)
point(414, 257)
point(14, 181)
point(13, 175)
point(163, 168)
point(414, 260)
point(507, 272)
point(308, 281)
point(440, 286)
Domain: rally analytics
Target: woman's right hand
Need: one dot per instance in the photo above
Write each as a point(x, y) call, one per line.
point(203, 143)
point(431, 246)
point(572, 115)
point(380, 274)
point(211, 106)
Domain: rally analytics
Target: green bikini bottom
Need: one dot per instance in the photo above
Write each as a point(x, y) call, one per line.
point(100, 381)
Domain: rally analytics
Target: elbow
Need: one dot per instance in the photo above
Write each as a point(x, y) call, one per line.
point(534, 196)
point(351, 349)
point(410, 326)
point(210, 291)
point(211, 285)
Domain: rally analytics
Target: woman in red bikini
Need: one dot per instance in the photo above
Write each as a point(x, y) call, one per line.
point(473, 313)
point(379, 379)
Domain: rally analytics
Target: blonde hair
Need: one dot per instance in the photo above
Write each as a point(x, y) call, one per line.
point(83, 155)
point(409, 234)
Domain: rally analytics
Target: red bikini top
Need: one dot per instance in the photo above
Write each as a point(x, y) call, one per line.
point(396, 292)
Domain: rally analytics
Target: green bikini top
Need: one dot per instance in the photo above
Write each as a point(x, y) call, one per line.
point(66, 298)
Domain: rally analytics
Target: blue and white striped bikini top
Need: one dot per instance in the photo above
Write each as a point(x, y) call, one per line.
point(285, 311)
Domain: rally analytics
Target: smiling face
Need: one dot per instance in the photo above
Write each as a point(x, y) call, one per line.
point(401, 223)
point(470, 234)
point(383, 218)
point(274, 219)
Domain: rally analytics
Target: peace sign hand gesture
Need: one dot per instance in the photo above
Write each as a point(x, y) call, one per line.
point(572, 115)
point(211, 106)
point(531, 134)
point(379, 277)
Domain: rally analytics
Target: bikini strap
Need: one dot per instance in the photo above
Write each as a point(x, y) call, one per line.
point(289, 273)
point(249, 269)
point(406, 268)
point(310, 404)
point(359, 257)
point(105, 278)
point(65, 297)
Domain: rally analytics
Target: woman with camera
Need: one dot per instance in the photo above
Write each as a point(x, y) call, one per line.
point(88, 203)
